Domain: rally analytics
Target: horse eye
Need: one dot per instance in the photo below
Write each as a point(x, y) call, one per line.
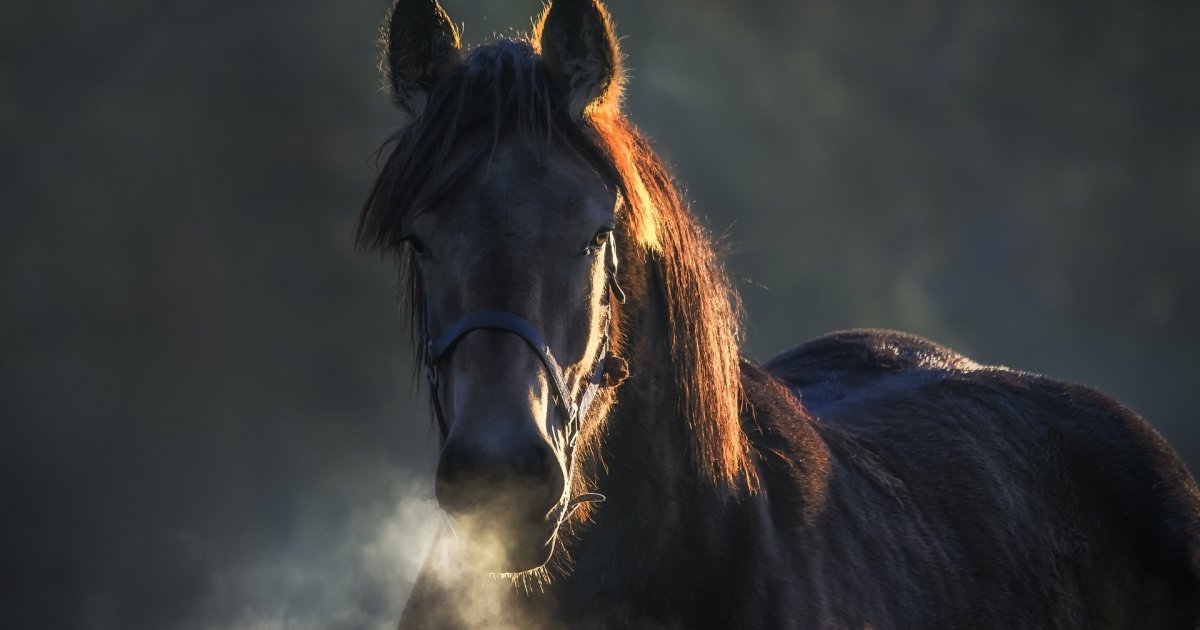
point(415, 243)
point(597, 241)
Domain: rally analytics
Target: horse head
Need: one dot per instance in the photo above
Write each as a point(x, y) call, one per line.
point(507, 218)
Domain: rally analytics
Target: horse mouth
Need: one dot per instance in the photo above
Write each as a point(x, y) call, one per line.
point(498, 538)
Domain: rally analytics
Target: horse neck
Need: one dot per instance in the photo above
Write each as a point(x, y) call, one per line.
point(648, 473)
point(666, 528)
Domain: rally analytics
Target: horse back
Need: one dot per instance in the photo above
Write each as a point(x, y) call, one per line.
point(1008, 498)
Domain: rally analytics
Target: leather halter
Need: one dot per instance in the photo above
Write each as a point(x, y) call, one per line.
point(435, 348)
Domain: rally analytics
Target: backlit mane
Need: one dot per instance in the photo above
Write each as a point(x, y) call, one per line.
point(504, 88)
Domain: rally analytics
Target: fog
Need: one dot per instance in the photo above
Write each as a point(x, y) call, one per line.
point(209, 416)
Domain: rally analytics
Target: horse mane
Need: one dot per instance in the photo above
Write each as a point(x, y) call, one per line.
point(504, 88)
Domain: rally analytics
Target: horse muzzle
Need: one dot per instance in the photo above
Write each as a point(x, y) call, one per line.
point(501, 497)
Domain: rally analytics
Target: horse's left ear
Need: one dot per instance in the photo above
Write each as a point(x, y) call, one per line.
point(578, 44)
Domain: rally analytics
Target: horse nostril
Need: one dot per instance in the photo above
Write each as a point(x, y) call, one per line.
point(474, 471)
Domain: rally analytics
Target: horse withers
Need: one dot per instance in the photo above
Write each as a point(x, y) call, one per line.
point(609, 460)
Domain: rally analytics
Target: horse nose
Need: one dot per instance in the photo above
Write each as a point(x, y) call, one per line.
point(476, 471)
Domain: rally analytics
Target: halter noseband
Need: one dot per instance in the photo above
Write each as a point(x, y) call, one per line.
point(436, 348)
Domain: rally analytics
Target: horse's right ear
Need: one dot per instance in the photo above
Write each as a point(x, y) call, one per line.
point(420, 48)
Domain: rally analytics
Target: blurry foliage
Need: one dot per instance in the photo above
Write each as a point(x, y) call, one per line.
point(195, 359)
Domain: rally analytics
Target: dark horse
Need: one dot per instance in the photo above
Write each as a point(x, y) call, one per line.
point(580, 339)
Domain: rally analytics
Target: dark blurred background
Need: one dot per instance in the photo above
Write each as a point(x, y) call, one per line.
point(208, 416)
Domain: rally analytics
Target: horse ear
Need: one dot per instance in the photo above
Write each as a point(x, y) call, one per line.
point(421, 48)
point(579, 46)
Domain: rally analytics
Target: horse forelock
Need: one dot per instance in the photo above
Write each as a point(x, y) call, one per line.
point(503, 88)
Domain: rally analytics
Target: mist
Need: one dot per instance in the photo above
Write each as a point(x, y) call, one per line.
point(210, 419)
